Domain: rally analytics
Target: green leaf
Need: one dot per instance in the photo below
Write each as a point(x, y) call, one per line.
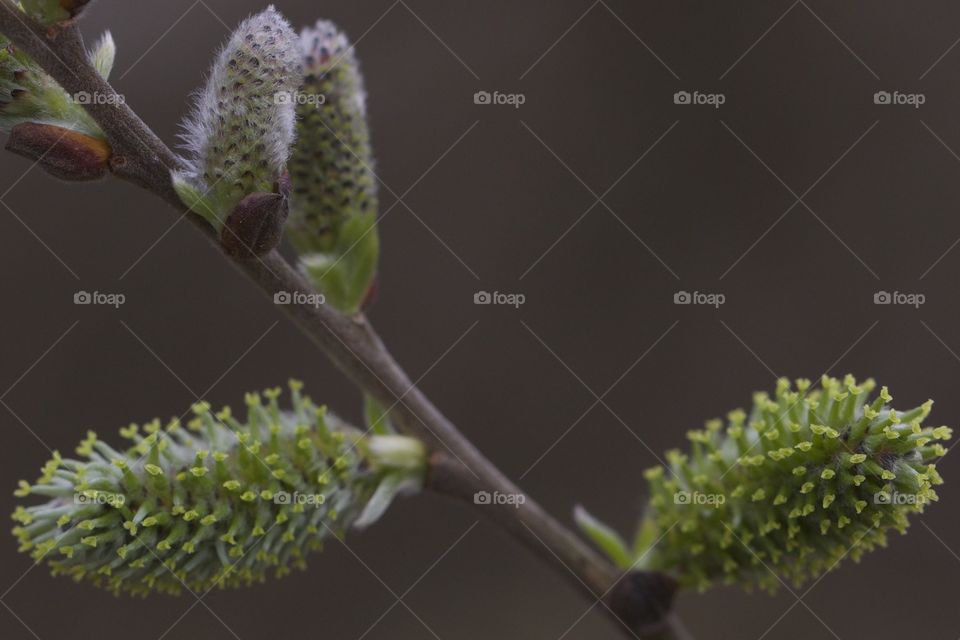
point(390, 487)
point(604, 537)
point(195, 199)
point(376, 416)
point(346, 274)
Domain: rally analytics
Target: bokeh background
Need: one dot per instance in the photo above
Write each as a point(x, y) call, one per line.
point(598, 199)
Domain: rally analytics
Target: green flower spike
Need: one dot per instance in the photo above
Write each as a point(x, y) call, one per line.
point(215, 503)
point(240, 133)
point(807, 478)
point(54, 11)
point(334, 201)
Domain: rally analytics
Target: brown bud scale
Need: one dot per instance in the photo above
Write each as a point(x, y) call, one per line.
point(255, 226)
point(63, 153)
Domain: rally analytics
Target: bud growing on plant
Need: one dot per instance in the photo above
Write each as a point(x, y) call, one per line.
point(54, 11)
point(334, 202)
point(255, 226)
point(240, 132)
point(103, 55)
point(215, 503)
point(807, 478)
point(28, 94)
point(65, 154)
point(45, 124)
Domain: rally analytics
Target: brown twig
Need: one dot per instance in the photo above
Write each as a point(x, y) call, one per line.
point(459, 469)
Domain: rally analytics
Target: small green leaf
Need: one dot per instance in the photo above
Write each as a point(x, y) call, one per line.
point(390, 487)
point(195, 199)
point(346, 274)
point(604, 537)
point(376, 416)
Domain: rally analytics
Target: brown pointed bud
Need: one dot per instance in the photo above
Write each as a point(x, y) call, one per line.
point(642, 600)
point(74, 6)
point(64, 153)
point(255, 226)
point(53, 12)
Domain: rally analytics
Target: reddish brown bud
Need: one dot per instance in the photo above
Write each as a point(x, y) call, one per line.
point(74, 7)
point(642, 600)
point(255, 226)
point(64, 153)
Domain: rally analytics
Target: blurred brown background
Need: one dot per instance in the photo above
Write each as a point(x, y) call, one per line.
point(798, 303)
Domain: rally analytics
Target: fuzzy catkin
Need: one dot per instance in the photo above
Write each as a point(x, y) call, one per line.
point(215, 503)
point(331, 164)
point(333, 205)
point(239, 135)
point(805, 479)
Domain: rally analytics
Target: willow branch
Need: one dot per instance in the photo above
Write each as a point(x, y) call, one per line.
point(459, 469)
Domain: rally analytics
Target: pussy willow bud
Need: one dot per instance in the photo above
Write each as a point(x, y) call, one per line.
point(45, 124)
point(65, 154)
point(240, 132)
point(54, 11)
point(28, 94)
point(218, 502)
point(334, 202)
point(807, 478)
point(103, 54)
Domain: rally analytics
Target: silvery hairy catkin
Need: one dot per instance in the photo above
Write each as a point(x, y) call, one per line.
point(334, 203)
point(239, 135)
point(331, 163)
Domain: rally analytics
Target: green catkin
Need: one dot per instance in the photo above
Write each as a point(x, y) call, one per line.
point(334, 204)
point(214, 503)
point(807, 478)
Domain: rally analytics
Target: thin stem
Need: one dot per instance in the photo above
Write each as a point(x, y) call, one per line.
point(459, 469)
